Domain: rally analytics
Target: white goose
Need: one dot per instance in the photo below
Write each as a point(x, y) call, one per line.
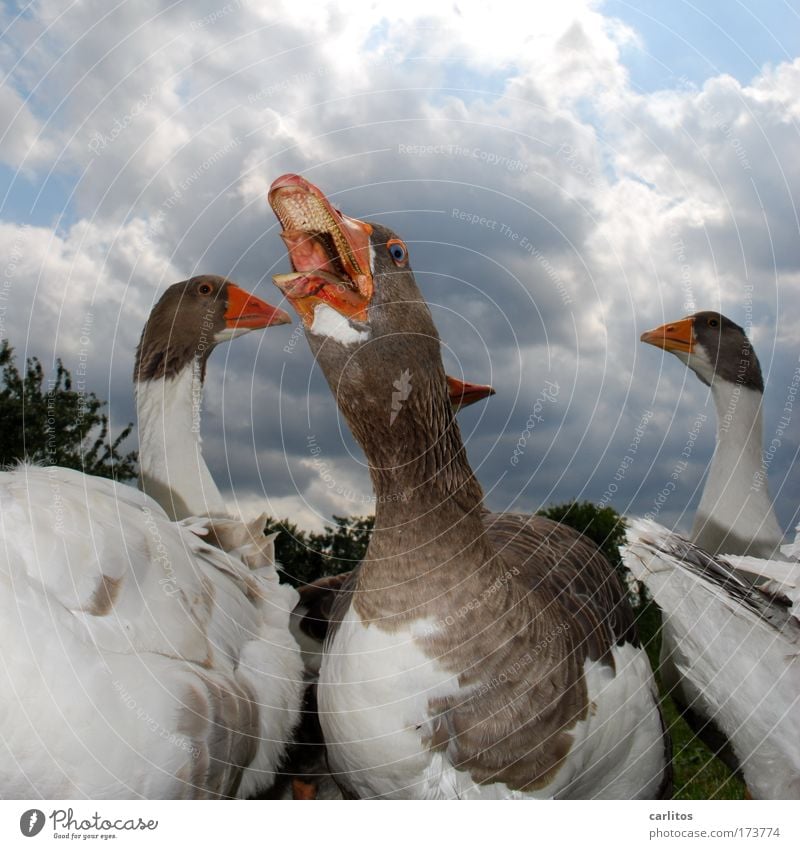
point(735, 514)
point(736, 647)
point(735, 517)
point(146, 661)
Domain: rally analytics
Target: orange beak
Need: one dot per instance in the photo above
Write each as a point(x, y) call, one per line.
point(463, 394)
point(675, 336)
point(329, 251)
point(248, 311)
point(304, 290)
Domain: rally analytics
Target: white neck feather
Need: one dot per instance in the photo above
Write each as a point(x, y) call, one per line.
point(172, 468)
point(735, 515)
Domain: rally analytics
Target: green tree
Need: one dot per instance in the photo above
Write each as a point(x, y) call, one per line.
point(345, 545)
point(603, 525)
point(47, 421)
point(306, 556)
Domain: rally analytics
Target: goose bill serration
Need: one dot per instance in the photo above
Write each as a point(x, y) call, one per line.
point(472, 655)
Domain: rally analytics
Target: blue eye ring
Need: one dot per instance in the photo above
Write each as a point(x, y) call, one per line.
point(397, 251)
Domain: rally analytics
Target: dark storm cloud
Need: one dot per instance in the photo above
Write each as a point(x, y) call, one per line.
point(551, 212)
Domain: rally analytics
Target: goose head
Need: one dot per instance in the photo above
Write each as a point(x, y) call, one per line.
point(191, 318)
point(365, 318)
point(713, 347)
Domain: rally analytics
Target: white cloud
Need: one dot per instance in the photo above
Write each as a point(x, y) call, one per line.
point(613, 210)
point(21, 145)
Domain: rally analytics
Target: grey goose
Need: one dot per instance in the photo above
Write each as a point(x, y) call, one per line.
point(471, 655)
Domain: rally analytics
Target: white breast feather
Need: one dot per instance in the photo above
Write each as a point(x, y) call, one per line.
point(329, 323)
point(374, 692)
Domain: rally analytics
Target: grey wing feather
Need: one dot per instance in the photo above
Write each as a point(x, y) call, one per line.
point(528, 693)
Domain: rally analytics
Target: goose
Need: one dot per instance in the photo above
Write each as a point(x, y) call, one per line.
point(736, 646)
point(151, 658)
point(472, 655)
point(735, 515)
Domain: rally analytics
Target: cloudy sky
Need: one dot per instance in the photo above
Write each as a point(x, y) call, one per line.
point(566, 175)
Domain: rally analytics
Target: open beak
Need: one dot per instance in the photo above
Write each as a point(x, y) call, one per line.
point(246, 311)
point(329, 251)
point(463, 394)
point(676, 336)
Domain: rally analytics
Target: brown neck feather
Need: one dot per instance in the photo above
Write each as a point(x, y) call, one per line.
point(416, 457)
point(428, 501)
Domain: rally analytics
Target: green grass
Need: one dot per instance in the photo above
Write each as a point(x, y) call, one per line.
point(698, 774)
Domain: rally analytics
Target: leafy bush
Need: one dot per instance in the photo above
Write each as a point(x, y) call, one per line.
point(306, 556)
point(56, 425)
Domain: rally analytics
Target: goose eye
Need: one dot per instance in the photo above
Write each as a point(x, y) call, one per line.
point(398, 251)
point(712, 322)
point(205, 289)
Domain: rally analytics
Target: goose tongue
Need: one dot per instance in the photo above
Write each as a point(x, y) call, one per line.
point(306, 289)
point(308, 252)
